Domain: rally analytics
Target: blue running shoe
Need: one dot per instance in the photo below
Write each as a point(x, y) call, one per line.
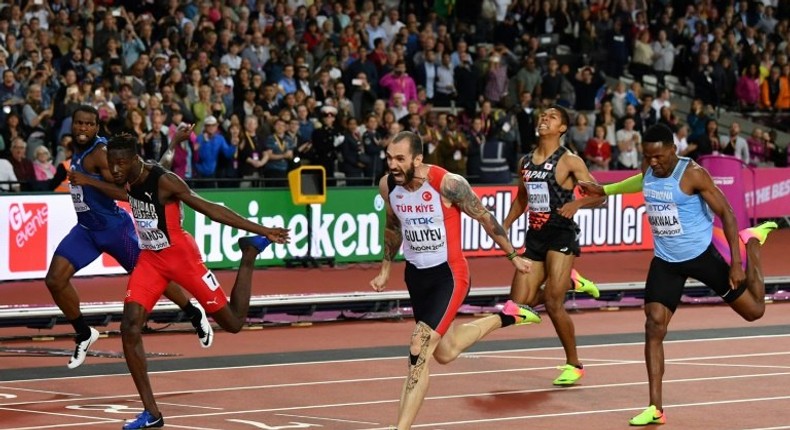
point(258, 242)
point(145, 421)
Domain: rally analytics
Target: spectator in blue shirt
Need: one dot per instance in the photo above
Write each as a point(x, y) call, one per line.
point(209, 145)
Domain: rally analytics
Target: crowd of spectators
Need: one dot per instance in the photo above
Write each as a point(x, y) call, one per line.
point(271, 84)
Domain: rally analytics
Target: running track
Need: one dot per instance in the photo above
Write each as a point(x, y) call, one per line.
point(722, 373)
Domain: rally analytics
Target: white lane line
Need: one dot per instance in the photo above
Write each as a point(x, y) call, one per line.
point(362, 360)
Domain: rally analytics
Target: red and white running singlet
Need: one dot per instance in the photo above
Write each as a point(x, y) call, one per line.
point(431, 231)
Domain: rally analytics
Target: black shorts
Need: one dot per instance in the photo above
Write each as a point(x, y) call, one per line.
point(437, 293)
point(665, 280)
point(540, 242)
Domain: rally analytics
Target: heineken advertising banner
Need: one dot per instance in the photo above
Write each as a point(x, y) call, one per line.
point(347, 227)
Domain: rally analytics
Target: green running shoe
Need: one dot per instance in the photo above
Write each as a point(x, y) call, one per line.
point(570, 374)
point(584, 285)
point(522, 313)
point(759, 232)
point(649, 416)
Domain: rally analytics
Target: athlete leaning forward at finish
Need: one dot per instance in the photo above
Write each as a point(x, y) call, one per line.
point(681, 199)
point(102, 227)
point(169, 253)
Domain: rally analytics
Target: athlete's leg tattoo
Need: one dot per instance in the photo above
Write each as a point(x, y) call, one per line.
point(419, 339)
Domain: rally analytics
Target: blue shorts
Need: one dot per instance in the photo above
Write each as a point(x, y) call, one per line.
point(81, 246)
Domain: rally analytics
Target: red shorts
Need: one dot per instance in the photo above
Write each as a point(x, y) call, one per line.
point(180, 263)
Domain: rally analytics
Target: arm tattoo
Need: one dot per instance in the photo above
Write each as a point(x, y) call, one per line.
point(422, 335)
point(393, 237)
point(457, 190)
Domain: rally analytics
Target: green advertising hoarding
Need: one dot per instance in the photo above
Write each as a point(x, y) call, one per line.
point(347, 227)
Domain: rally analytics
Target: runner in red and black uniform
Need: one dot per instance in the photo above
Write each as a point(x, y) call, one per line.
point(169, 253)
point(549, 174)
point(424, 205)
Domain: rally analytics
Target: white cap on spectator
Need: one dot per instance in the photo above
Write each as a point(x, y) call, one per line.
point(210, 120)
point(329, 109)
point(160, 56)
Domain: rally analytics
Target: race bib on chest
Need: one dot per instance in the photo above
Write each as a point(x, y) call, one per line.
point(664, 219)
point(78, 198)
point(538, 197)
point(151, 237)
point(424, 238)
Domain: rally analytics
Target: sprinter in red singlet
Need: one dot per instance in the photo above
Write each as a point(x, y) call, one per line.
point(424, 204)
point(169, 253)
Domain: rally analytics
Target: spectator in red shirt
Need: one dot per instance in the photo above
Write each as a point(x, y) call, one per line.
point(598, 152)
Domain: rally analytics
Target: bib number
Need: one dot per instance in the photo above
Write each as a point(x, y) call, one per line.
point(78, 198)
point(664, 219)
point(538, 197)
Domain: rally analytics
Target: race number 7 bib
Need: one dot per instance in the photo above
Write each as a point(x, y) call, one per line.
point(538, 197)
point(78, 198)
point(664, 219)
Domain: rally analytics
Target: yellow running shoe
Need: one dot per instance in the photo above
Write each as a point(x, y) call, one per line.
point(583, 285)
point(522, 313)
point(570, 374)
point(759, 232)
point(649, 416)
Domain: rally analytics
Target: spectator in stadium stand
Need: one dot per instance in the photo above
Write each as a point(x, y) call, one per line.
point(733, 144)
point(696, 120)
point(23, 167)
point(775, 91)
point(551, 82)
point(7, 175)
point(209, 144)
point(747, 90)
point(526, 120)
point(11, 129)
point(12, 95)
point(464, 77)
point(617, 48)
point(453, 147)
point(496, 80)
point(398, 81)
point(326, 141)
point(279, 152)
point(663, 55)
point(362, 96)
point(375, 145)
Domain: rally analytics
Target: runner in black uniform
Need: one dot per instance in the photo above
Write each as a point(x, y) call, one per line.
point(550, 172)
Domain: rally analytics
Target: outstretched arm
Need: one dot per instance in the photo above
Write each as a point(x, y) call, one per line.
point(181, 135)
point(173, 187)
point(393, 238)
point(456, 189)
point(626, 186)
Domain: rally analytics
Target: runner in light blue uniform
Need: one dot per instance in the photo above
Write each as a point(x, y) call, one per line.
point(681, 199)
point(101, 227)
